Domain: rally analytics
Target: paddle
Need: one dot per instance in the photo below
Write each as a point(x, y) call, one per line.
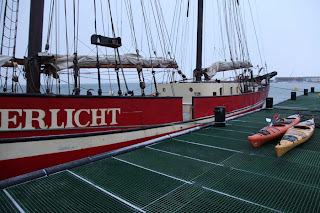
point(273, 120)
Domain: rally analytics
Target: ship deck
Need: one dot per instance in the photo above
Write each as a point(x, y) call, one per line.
point(215, 169)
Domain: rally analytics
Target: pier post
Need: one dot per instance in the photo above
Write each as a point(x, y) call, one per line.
point(293, 96)
point(305, 92)
point(269, 103)
point(220, 116)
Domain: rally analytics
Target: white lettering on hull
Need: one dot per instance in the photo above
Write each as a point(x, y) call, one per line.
point(54, 119)
point(30, 119)
point(5, 118)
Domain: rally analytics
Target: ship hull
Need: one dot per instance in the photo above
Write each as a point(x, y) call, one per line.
point(39, 132)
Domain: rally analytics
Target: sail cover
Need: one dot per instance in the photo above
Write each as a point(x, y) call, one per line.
point(127, 60)
point(4, 59)
point(220, 66)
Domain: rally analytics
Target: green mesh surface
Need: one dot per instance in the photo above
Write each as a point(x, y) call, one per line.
point(214, 202)
point(63, 192)
point(212, 170)
point(205, 153)
point(170, 164)
point(192, 198)
point(274, 167)
point(134, 184)
point(5, 203)
point(263, 190)
point(309, 102)
point(222, 138)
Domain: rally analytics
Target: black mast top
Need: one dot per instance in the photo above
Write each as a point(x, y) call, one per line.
point(35, 45)
point(198, 71)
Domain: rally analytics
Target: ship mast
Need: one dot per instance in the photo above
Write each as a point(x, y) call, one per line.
point(34, 46)
point(198, 70)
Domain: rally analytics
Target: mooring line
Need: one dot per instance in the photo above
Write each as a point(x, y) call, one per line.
point(205, 145)
point(13, 201)
point(151, 170)
point(238, 198)
point(107, 192)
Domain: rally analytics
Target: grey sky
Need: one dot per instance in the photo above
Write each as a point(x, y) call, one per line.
point(288, 30)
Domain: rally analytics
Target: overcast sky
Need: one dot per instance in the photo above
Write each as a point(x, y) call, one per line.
point(288, 31)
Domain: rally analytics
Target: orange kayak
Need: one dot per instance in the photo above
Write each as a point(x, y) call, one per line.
point(276, 130)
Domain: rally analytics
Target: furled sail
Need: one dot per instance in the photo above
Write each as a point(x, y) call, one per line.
point(220, 66)
point(4, 59)
point(127, 61)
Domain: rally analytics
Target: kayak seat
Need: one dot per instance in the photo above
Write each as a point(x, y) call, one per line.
point(264, 132)
point(290, 138)
point(283, 122)
point(278, 124)
point(302, 127)
point(305, 123)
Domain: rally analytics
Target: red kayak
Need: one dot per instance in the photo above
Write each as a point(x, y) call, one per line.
point(276, 130)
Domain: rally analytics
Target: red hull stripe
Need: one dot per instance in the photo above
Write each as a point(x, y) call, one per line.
point(19, 166)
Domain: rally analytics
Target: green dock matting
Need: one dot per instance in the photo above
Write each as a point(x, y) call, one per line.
point(212, 170)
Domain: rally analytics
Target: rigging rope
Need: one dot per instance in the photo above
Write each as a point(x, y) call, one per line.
point(98, 65)
point(67, 44)
point(75, 54)
point(133, 34)
point(254, 26)
point(106, 49)
point(265, 61)
point(49, 25)
point(8, 42)
point(117, 54)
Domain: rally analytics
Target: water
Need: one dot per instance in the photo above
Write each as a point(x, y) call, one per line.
point(278, 91)
point(106, 88)
point(282, 91)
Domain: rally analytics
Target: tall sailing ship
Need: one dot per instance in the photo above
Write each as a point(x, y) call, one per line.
point(41, 130)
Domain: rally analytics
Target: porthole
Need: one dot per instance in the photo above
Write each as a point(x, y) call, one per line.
point(191, 89)
point(164, 89)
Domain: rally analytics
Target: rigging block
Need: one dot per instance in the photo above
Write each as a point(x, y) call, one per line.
point(105, 41)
